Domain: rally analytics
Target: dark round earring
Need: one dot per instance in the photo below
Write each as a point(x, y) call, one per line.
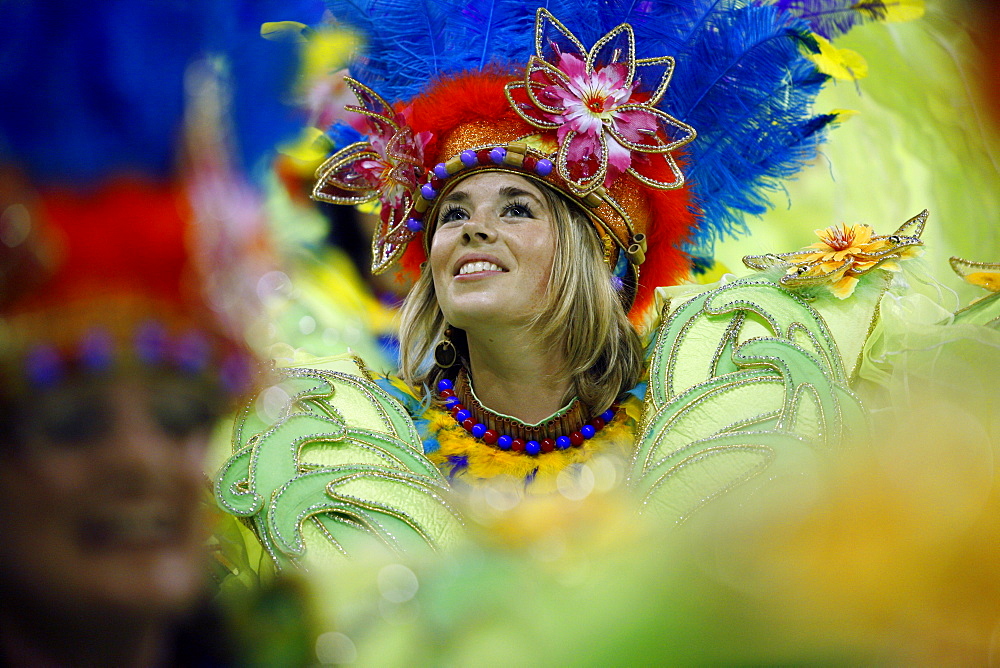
point(445, 353)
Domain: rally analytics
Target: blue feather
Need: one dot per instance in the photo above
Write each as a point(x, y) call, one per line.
point(743, 83)
point(97, 88)
point(831, 18)
point(406, 43)
point(741, 78)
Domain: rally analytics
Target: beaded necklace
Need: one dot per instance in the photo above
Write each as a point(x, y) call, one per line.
point(565, 430)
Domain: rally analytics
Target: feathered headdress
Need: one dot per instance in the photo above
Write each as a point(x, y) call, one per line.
point(600, 100)
point(109, 220)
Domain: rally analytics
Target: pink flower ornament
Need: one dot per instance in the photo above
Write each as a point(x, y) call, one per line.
point(605, 126)
point(386, 167)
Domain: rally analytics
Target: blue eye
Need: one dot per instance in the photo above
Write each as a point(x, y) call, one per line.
point(452, 213)
point(518, 210)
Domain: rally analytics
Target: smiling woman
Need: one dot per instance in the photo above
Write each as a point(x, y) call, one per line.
point(542, 203)
point(502, 279)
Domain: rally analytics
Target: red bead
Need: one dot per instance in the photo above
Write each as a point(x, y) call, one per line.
point(484, 156)
point(490, 437)
point(436, 183)
point(529, 162)
point(444, 394)
point(456, 408)
point(576, 438)
point(469, 424)
point(517, 445)
point(597, 423)
point(548, 444)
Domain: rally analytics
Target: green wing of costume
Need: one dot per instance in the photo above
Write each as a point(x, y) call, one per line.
point(746, 380)
point(335, 467)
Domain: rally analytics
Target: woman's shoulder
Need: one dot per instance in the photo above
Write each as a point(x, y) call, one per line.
point(327, 462)
point(751, 377)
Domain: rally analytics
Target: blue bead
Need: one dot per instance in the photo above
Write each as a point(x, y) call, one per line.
point(445, 384)
point(504, 442)
point(563, 442)
point(608, 415)
point(478, 430)
point(462, 416)
point(468, 158)
point(427, 190)
point(532, 448)
point(97, 350)
point(414, 225)
point(43, 366)
point(543, 167)
point(588, 431)
point(450, 402)
point(498, 154)
point(441, 171)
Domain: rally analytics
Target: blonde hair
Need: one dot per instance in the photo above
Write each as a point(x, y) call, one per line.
point(582, 314)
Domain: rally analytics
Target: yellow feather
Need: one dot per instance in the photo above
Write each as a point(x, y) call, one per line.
point(898, 11)
point(485, 462)
point(843, 64)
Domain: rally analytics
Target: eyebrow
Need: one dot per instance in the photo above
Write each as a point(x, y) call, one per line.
point(507, 192)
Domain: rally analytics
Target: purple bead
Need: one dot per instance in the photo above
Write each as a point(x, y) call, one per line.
point(563, 442)
point(462, 416)
point(504, 442)
point(450, 402)
point(441, 171)
point(543, 167)
point(608, 415)
point(191, 352)
point(445, 384)
point(97, 350)
point(151, 343)
point(478, 430)
point(532, 448)
point(414, 225)
point(427, 190)
point(588, 431)
point(468, 158)
point(236, 373)
point(498, 154)
point(43, 366)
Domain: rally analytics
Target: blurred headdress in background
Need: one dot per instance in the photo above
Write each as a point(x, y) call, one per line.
point(130, 230)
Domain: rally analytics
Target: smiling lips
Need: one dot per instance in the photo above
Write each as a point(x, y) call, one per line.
point(478, 266)
point(132, 530)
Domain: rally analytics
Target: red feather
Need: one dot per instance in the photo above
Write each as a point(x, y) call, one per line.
point(459, 100)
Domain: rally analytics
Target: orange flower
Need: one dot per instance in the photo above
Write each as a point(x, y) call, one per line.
point(844, 253)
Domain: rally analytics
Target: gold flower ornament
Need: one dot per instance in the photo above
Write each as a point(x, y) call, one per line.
point(843, 254)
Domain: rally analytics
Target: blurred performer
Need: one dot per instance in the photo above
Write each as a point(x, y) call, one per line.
point(128, 235)
point(107, 405)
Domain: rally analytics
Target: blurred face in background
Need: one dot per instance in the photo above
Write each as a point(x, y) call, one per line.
point(99, 497)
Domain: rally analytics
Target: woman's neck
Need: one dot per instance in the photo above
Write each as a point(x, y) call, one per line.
point(517, 374)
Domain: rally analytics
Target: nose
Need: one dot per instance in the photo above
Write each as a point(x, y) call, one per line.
point(476, 230)
point(138, 455)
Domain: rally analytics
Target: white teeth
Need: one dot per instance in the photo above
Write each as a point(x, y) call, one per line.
point(473, 267)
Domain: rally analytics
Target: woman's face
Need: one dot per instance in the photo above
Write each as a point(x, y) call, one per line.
point(491, 254)
point(99, 502)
